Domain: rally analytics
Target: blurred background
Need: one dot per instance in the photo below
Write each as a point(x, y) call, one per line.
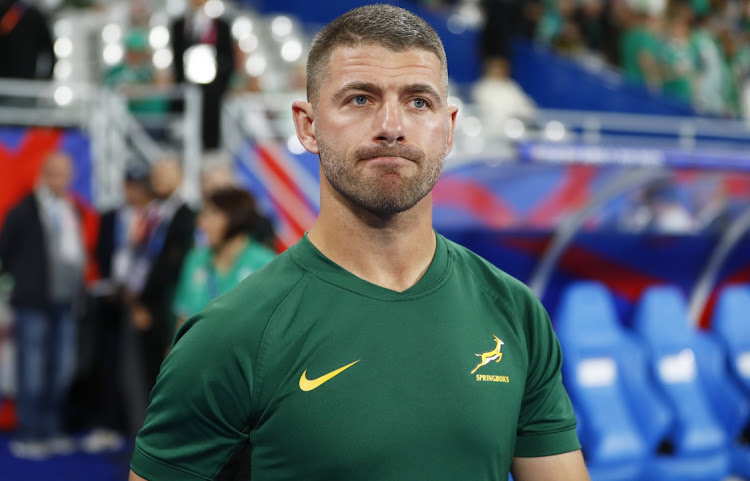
point(601, 156)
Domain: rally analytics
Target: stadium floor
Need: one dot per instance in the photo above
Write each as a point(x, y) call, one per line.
point(112, 466)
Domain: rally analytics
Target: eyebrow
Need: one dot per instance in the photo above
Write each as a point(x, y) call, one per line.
point(424, 89)
point(419, 88)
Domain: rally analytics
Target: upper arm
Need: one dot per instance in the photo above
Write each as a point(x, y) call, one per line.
point(200, 407)
point(135, 477)
point(546, 423)
point(560, 467)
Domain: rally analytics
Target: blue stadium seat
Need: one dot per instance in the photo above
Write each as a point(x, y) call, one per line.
point(696, 446)
point(731, 389)
point(596, 355)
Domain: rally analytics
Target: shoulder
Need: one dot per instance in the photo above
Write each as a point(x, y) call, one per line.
point(487, 275)
point(185, 211)
point(243, 313)
point(508, 294)
point(29, 204)
point(197, 256)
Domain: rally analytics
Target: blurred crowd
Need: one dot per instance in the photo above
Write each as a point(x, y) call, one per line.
point(97, 297)
point(696, 52)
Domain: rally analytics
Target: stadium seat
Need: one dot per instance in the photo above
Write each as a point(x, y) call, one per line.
point(595, 358)
point(731, 388)
point(695, 445)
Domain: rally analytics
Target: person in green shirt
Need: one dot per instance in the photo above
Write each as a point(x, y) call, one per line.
point(641, 50)
point(678, 60)
point(374, 348)
point(137, 71)
point(227, 219)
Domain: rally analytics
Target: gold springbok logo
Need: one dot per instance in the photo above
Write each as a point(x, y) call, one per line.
point(493, 355)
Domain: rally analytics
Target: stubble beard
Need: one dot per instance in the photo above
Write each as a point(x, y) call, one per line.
point(387, 192)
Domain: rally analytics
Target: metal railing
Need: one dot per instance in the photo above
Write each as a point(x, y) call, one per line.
point(117, 137)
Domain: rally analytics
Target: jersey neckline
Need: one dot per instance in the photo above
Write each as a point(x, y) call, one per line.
point(314, 261)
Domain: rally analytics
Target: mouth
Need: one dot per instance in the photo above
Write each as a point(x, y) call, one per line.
point(381, 154)
point(388, 160)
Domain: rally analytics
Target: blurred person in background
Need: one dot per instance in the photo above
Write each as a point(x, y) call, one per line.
point(500, 24)
point(591, 21)
point(227, 220)
point(115, 250)
point(194, 29)
point(137, 70)
point(658, 208)
point(737, 47)
point(557, 27)
point(678, 59)
point(165, 236)
point(641, 48)
point(713, 87)
point(499, 98)
point(26, 48)
point(217, 173)
point(41, 246)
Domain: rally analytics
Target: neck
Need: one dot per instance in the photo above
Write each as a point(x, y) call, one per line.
point(224, 256)
point(392, 252)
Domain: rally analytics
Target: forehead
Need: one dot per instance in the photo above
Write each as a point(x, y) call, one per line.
point(380, 65)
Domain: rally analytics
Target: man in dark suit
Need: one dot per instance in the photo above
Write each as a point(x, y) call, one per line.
point(107, 387)
point(166, 237)
point(197, 28)
point(25, 42)
point(41, 246)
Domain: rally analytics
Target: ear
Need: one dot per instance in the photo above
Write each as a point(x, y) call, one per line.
point(452, 113)
point(304, 123)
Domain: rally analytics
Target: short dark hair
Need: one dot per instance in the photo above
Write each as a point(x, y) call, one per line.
point(388, 26)
point(239, 207)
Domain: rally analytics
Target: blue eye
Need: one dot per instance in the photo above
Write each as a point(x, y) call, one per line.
point(420, 103)
point(360, 100)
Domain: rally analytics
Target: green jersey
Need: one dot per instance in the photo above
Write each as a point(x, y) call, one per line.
point(316, 374)
point(636, 42)
point(200, 281)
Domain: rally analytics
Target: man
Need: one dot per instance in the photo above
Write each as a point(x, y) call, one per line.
point(197, 28)
point(353, 355)
point(41, 246)
point(166, 237)
point(107, 369)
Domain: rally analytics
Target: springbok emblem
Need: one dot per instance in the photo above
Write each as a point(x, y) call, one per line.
point(494, 355)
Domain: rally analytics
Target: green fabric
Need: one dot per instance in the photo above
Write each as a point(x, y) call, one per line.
point(549, 26)
point(137, 40)
point(124, 74)
point(635, 42)
point(678, 59)
point(701, 7)
point(409, 408)
point(200, 282)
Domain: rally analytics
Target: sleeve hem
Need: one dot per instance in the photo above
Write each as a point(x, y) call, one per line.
point(547, 444)
point(152, 469)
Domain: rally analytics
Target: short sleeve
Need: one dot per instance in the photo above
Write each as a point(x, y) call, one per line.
point(547, 423)
point(200, 412)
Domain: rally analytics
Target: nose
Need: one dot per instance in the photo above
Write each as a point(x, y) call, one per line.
point(390, 125)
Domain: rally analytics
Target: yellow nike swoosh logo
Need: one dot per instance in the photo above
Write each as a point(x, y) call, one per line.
point(310, 384)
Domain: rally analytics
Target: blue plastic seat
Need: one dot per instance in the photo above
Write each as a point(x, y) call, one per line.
point(730, 387)
point(695, 445)
point(595, 356)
